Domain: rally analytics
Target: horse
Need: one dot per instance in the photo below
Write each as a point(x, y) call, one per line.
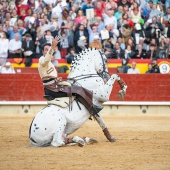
point(54, 123)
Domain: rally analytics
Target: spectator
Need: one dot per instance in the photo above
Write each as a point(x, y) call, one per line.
point(96, 43)
point(126, 33)
point(140, 53)
point(133, 70)
point(15, 47)
point(108, 51)
point(149, 69)
point(109, 18)
point(49, 38)
point(7, 69)
point(119, 52)
point(56, 56)
point(15, 30)
point(162, 48)
point(144, 45)
point(154, 28)
point(128, 52)
point(82, 44)
point(82, 31)
point(43, 26)
point(89, 5)
point(130, 42)
point(40, 40)
point(3, 48)
point(80, 17)
point(70, 56)
point(124, 2)
point(98, 9)
point(28, 48)
point(152, 52)
point(64, 45)
point(155, 67)
point(122, 45)
point(119, 13)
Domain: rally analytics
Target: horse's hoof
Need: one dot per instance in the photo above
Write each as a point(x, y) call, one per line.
point(121, 95)
point(112, 139)
point(81, 143)
point(90, 140)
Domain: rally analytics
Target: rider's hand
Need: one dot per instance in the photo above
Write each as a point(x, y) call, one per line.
point(55, 41)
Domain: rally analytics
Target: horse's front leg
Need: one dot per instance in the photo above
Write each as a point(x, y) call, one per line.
point(102, 93)
point(105, 130)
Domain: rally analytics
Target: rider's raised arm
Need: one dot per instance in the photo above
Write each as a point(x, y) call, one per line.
point(47, 58)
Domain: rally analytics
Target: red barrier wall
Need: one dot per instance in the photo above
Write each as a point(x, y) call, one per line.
point(144, 87)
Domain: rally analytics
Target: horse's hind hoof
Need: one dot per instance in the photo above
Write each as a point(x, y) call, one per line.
point(81, 143)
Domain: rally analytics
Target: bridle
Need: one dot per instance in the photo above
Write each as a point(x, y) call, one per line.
point(103, 74)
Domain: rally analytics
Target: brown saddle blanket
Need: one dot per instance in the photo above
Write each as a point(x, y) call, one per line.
point(83, 95)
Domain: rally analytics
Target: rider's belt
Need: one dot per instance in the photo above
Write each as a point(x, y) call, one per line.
point(49, 82)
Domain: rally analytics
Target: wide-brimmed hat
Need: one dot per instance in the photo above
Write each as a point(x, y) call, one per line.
point(82, 38)
point(8, 64)
point(96, 37)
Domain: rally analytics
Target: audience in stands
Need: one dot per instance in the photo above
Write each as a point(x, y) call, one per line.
point(122, 28)
point(133, 70)
point(7, 68)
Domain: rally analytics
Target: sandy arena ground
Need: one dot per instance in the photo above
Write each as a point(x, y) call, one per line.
point(143, 143)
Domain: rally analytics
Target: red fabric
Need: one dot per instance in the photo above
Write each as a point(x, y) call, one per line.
point(63, 53)
point(98, 12)
point(22, 7)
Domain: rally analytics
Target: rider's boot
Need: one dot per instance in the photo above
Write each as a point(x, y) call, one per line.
point(123, 87)
point(108, 135)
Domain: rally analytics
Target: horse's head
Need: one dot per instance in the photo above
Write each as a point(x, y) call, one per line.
point(101, 65)
point(89, 61)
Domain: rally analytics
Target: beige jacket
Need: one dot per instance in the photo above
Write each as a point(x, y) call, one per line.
point(45, 67)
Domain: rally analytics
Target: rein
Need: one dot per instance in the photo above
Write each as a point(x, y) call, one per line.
point(74, 79)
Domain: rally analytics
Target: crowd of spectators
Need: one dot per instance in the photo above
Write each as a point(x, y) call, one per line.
point(122, 29)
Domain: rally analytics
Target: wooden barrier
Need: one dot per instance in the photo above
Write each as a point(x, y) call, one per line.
point(143, 87)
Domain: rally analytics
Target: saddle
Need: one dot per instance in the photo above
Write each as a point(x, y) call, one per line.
point(77, 93)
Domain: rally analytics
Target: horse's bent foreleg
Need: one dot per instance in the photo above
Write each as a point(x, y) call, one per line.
point(102, 124)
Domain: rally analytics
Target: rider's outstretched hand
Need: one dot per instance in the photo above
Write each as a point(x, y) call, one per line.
point(55, 41)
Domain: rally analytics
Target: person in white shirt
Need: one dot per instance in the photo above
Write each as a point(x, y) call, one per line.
point(133, 70)
point(109, 18)
point(7, 69)
point(3, 47)
point(15, 46)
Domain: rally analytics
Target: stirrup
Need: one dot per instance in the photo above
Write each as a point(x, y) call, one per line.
point(48, 97)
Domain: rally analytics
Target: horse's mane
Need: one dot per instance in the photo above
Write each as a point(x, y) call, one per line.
point(83, 55)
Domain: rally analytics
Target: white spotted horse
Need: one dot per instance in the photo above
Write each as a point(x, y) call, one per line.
point(53, 124)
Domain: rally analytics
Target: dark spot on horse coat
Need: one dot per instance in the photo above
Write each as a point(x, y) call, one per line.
point(35, 125)
point(34, 130)
point(59, 120)
point(45, 128)
point(37, 128)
